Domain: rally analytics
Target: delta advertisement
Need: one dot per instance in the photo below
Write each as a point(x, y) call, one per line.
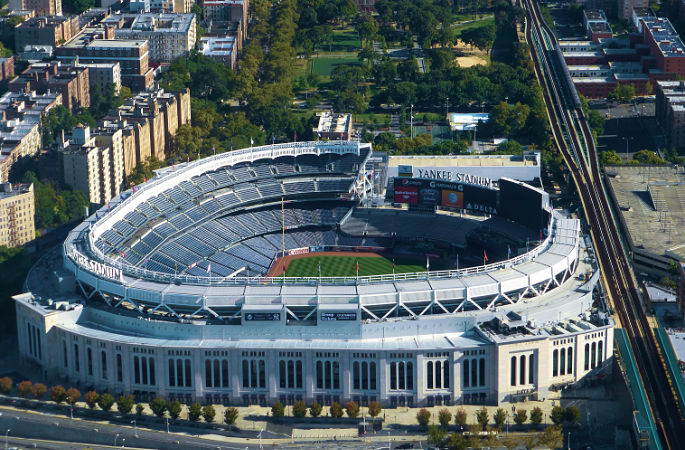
point(414, 191)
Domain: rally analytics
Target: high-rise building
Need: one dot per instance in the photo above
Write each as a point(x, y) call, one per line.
point(40, 7)
point(17, 225)
point(52, 31)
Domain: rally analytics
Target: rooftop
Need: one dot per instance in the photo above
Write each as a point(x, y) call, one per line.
point(665, 36)
point(217, 45)
point(150, 22)
point(594, 14)
point(465, 160)
point(8, 190)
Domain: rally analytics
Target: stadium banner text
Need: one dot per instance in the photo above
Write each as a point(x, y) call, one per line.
point(335, 316)
point(96, 267)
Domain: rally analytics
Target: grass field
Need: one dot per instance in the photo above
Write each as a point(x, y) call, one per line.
point(325, 65)
point(345, 266)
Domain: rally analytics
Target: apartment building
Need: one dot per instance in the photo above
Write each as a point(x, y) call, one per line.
point(170, 35)
point(222, 10)
point(625, 7)
point(221, 49)
point(17, 226)
point(40, 7)
point(46, 30)
point(173, 6)
point(104, 75)
point(670, 111)
point(71, 81)
point(6, 68)
point(94, 169)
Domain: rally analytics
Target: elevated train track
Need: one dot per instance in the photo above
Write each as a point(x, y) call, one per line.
point(574, 139)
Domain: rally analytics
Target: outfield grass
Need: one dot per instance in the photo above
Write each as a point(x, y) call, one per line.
point(325, 65)
point(345, 266)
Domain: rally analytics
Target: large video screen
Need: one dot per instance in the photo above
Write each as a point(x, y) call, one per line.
point(423, 192)
point(523, 203)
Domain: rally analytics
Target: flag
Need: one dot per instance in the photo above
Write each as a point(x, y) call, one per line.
point(295, 135)
point(393, 266)
point(285, 268)
point(123, 255)
point(107, 206)
point(144, 179)
point(251, 141)
point(456, 262)
point(173, 166)
point(485, 256)
point(231, 144)
point(147, 260)
point(428, 262)
point(192, 265)
point(508, 251)
point(188, 158)
point(133, 186)
point(540, 234)
point(318, 135)
point(273, 138)
point(209, 268)
point(319, 269)
point(357, 267)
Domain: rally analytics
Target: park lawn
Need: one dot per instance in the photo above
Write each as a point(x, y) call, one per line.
point(478, 23)
point(380, 119)
point(345, 266)
point(324, 66)
point(346, 40)
point(303, 67)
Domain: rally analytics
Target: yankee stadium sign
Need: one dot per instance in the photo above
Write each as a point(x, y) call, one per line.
point(95, 267)
point(455, 177)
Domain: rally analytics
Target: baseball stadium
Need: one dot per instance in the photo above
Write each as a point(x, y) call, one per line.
point(303, 271)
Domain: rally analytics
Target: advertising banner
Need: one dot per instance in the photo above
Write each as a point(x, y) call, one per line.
point(452, 199)
point(407, 194)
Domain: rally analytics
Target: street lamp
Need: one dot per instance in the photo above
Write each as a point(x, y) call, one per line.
point(411, 121)
point(627, 139)
point(167, 425)
point(115, 439)
point(7, 433)
point(135, 427)
point(260, 438)
point(71, 408)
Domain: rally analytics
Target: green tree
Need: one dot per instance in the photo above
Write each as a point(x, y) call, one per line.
point(572, 414)
point(277, 409)
point(552, 437)
point(299, 409)
point(105, 401)
point(482, 417)
point(423, 417)
point(57, 394)
point(557, 415)
point(336, 410)
point(315, 409)
point(367, 27)
point(38, 390)
point(609, 157)
point(500, 418)
point(457, 441)
point(208, 413)
point(374, 408)
point(125, 403)
point(436, 435)
point(536, 416)
point(91, 399)
point(481, 37)
point(352, 409)
point(596, 121)
point(175, 409)
point(648, 157)
point(158, 406)
point(444, 417)
point(520, 416)
point(77, 6)
point(231, 415)
point(194, 412)
point(24, 388)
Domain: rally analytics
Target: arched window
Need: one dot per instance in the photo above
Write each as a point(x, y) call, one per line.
point(513, 371)
point(393, 375)
point(466, 380)
point(136, 370)
point(319, 375)
point(522, 369)
point(246, 373)
point(217, 373)
point(262, 373)
point(153, 381)
point(599, 352)
point(372, 375)
point(179, 372)
point(438, 374)
point(336, 375)
point(172, 372)
point(593, 355)
point(481, 372)
point(429, 375)
point(143, 363)
point(555, 362)
point(253, 374)
point(531, 369)
point(355, 375)
point(586, 364)
point(208, 373)
point(328, 383)
point(569, 361)
point(281, 373)
point(474, 372)
point(291, 374)
point(365, 375)
point(224, 373)
point(446, 375)
point(298, 368)
point(410, 375)
point(562, 364)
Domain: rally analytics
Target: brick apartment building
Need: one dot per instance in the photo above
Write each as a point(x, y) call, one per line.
point(42, 30)
point(17, 226)
point(6, 68)
point(41, 7)
point(55, 76)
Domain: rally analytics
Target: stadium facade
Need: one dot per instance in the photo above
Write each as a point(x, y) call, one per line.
point(163, 292)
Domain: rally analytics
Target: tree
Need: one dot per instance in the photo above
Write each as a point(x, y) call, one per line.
point(175, 409)
point(105, 401)
point(374, 408)
point(423, 417)
point(520, 416)
point(557, 415)
point(609, 157)
point(551, 437)
point(481, 37)
point(24, 388)
point(231, 415)
point(336, 410)
point(91, 399)
point(38, 391)
point(6, 385)
point(140, 409)
point(73, 395)
point(648, 157)
point(277, 409)
point(352, 409)
point(194, 412)
point(58, 394)
point(622, 92)
point(482, 417)
point(436, 435)
point(299, 409)
point(367, 27)
point(78, 6)
point(500, 418)
point(460, 417)
point(457, 442)
point(444, 417)
point(315, 409)
point(125, 403)
point(536, 416)
point(208, 413)
point(158, 406)
point(572, 414)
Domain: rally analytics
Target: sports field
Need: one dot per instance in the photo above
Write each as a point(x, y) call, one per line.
point(346, 266)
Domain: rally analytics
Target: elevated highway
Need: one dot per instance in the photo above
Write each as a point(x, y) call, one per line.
point(575, 142)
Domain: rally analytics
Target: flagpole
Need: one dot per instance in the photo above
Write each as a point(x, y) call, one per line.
point(283, 230)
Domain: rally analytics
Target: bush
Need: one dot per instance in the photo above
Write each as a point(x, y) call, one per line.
point(557, 415)
point(277, 409)
point(500, 418)
point(6, 385)
point(105, 401)
point(24, 388)
point(57, 394)
point(299, 409)
point(73, 395)
point(520, 416)
point(140, 409)
point(194, 412)
point(460, 417)
point(231, 415)
point(336, 410)
point(125, 403)
point(158, 407)
point(572, 414)
point(423, 417)
point(536, 416)
point(482, 417)
point(39, 390)
point(91, 399)
point(444, 417)
point(208, 413)
point(436, 435)
point(174, 408)
point(315, 409)
point(352, 409)
point(374, 409)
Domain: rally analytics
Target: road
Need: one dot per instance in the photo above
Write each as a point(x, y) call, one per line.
point(574, 140)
